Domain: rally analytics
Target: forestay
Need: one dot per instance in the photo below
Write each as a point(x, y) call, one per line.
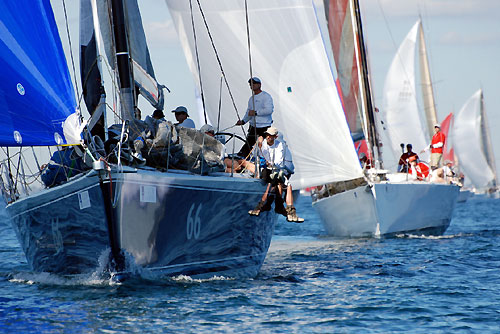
point(37, 99)
point(468, 145)
point(402, 117)
point(288, 55)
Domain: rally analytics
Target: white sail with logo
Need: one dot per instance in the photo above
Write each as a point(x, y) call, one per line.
point(288, 55)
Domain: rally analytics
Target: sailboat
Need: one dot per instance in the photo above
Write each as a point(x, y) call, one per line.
point(384, 203)
point(404, 122)
point(473, 147)
point(165, 220)
point(282, 44)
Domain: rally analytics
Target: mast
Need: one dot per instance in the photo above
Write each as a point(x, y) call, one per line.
point(122, 60)
point(372, 136)
point(427, 91)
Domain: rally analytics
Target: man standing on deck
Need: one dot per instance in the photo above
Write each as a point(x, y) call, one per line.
point(259, 113)
point(436, 147)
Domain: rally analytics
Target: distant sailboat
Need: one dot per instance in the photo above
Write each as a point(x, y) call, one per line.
point(383, 203)
point(165, 219)
point(473, 147)
point(404, 122)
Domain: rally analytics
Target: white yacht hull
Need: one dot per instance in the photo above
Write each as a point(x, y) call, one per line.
point(389, 208)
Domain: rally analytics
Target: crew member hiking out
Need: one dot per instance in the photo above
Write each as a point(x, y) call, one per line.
point(279, 168)
point(259, 114)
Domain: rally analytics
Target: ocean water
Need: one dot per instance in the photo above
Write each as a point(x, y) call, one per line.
point(309, 283)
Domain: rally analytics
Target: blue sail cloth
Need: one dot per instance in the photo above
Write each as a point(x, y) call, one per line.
point(36, 93)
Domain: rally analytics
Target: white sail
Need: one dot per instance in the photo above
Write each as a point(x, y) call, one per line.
point(486, 143)
point(468, 143)
point(289, 57)
point(402, 117)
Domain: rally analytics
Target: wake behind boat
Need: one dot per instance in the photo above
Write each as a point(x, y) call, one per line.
point(170, 210)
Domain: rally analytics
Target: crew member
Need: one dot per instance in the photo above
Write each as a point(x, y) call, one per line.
point(404, 159)
point(436, 147)
point(259, 114)
point(182, 117)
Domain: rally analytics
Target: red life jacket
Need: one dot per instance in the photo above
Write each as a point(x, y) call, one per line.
point(422, 171)
point(438, 137)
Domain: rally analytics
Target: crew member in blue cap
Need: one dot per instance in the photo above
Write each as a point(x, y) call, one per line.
point(182, 117)
point(259, 114)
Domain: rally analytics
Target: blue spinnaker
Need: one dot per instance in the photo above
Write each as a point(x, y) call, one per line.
point(36, 93)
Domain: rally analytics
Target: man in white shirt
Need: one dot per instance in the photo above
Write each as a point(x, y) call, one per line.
point(279, 169)
point(259, 114)
point(181, 115)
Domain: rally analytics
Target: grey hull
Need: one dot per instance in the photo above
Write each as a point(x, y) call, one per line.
point(170, 223)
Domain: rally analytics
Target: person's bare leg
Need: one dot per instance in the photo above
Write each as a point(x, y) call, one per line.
point(289, 196)
point(264, 196)
point(291, 213)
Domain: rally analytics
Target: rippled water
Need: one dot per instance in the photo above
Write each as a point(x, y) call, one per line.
point(309, 283)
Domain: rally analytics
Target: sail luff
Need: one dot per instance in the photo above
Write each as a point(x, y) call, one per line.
point(365, 86)
point(359, 68)
point(468, 146)
point(402, 117)
point(426, 82)
point(486, 141)
point(341, 25)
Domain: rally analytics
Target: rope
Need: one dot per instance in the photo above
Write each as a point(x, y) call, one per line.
point(198, 61)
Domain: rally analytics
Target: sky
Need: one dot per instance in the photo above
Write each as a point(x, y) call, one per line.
point(463, 42)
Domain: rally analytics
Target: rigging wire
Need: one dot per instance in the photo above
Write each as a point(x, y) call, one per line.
point(198, 61)
point(218, 60)
point(220, 103)
point(71, 51)
point(251, 83)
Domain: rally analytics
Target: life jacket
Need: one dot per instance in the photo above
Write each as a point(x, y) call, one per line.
point(438, 138)
point(421, 170)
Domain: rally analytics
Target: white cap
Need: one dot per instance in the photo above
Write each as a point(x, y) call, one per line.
point(437, 125)
point(272, 131)
point(207, 128)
